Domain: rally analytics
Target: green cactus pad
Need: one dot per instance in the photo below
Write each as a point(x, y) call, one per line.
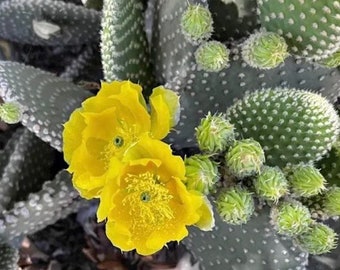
point(57, 199)
point(47, 100)
point(253, 246)
point(25, 163)
point(292, 125)
point(203, 91)
point(124, 47)
point(171, 52)
point(311, 28)
point(48, 22)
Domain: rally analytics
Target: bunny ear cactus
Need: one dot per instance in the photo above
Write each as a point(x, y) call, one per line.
point(48, 22)
point(124, 46)
point(203, 91)
point(253, 245)
point(183, 54)
point(292, 126)
point(45, 99)
point(311, 28)
point(56, 199)
point(25, 164)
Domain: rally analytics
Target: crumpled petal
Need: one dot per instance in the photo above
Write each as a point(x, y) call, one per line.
point(165, 109)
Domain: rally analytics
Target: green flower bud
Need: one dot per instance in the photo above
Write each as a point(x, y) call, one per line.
point(196, 23)
point(332, 61)
point(235, 205)
point(10, 112)
point(306, 180)
point(201, 174)
point(212, 56)
point(318, 239)
point(331, 202)
point(245, 158)
point(291, 218)
point(264, 50)
point(214, 134)
point(271, 184)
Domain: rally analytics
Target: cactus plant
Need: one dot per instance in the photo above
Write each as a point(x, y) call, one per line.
point(48, 22)
point(224, 110)
point(285, 121)
point(310, 29)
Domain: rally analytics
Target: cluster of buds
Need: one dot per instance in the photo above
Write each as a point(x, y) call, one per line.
point(197, 28)
point(235, 173)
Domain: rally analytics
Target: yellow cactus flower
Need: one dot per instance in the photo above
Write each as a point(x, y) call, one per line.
point(108, 125)
point(147, 204)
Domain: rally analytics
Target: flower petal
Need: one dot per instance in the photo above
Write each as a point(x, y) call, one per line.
point(165, 110)
point(71, 134)
point(207, 221)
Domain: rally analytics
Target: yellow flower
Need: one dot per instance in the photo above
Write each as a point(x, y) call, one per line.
point(108, 125)
point(147, 204)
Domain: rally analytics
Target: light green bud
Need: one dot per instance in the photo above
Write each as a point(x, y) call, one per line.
point(318, 239)
point(264, 50)
point(212, 56)
point(235, 205)
point(291, 218)
point(245, 158)
point(306, 180)
point(331, 202)
point(201, 174)
point(10, 112)
point(271, 183)
point(332, 61)
point(196, 24)
point(214, 134)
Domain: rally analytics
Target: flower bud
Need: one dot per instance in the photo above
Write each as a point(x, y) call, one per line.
point(331, 202)
point(264, 50)
point(306, 180)
point(201, 174)
point(245, 158)
point(196, 23)
point(212, 56)
point(318, 239)
point(235, 205)
point(214, 134)
point(331, 61)
point(11, 112)
point(271, 184)
point(291, 218)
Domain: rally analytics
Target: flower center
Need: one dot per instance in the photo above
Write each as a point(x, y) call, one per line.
point(125, 137)
point(118, 141)
point(147, 200)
